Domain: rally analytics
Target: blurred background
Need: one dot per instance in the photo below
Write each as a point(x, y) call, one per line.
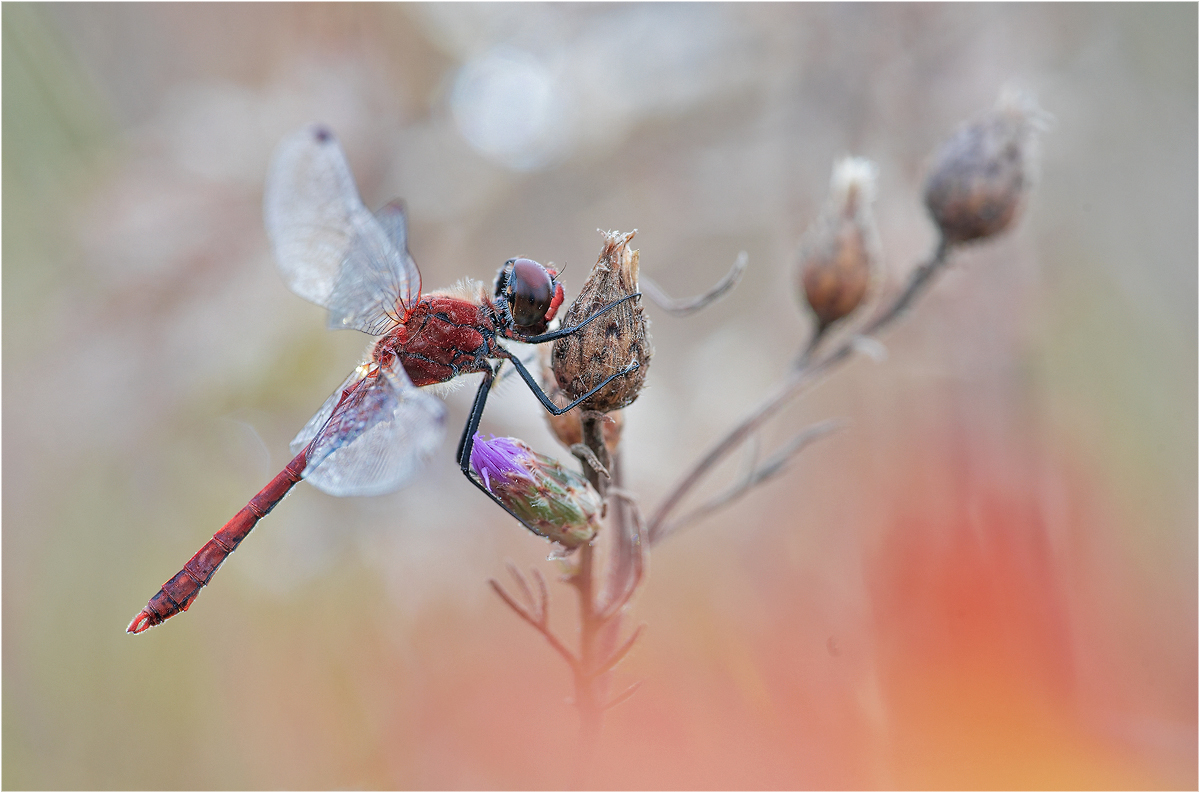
point(988, 579)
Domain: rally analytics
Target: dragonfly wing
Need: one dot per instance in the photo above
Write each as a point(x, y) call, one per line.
point(372, 435)
point(394, 219)
point(321, 417)
point(367, 294)
point(330, 249)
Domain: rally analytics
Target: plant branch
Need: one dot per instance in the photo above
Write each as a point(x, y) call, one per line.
point(520, 579)
point(619, 654)
point(585, 454)
point(539, 622)
point(795, 382)
point(629, 550)
point(774, 466)
point(689, 306)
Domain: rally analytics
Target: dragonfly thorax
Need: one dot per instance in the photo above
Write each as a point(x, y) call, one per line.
point(442, 337)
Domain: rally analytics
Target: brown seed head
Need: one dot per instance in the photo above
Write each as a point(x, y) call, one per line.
point(566, 427)
point(839, 254)
point(582, 360)
point(980, 176)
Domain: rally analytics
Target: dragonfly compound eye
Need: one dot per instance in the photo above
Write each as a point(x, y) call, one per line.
point(530, 292)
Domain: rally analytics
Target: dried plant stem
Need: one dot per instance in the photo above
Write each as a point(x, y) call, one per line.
point(595, 465)
point(811, 347)
point(599, 611)
point(805, 373)
point(592, 430)
point(627, 564)
point(603, 594)
point(769, 407)
point(538, 619)
point(585, 679)
point(757, 474)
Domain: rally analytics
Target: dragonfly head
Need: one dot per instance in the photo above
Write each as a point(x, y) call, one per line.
point(530, 294)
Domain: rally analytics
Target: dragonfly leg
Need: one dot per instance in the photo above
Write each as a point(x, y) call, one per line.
point(467, 443)
point(545, 400)
point(558, 334)
point(463, 455)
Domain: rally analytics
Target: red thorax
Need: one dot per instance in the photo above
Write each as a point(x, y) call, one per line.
point(442, 337)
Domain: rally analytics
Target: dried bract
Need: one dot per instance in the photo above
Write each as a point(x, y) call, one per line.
point(611, 343)
point(839, 254)
point(980, 176)
point(557, 502)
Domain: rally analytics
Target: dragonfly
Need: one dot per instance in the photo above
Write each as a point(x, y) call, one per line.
point(379, 428)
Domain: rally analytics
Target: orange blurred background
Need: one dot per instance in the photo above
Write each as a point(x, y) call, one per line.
point(988, 579)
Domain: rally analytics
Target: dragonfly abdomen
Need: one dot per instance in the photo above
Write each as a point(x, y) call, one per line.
point(178, 594)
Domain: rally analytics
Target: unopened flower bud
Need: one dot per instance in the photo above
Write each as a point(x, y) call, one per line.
point(566, 426)
point(556, 502)
point(980, 176)
point(582, 360)
point(839, 254)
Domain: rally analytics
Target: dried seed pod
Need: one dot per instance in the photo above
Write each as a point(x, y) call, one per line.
point(839, 254)
point(611, 342)
point(557, 502)
point(566, 426)
point(981, 174)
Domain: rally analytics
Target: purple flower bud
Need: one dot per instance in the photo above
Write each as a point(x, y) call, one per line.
point(556, 502)
point(499, 458)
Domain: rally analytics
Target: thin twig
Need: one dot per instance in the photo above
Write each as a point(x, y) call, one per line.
point(620, 653)
point(774, 466)
point(520, 579)
point(916, 283)
point(521, 610)
point(636, 551)
point(620, 556)
point(810, 347)
point(776, 463)
point(591, 427)
point(794, 383)
point(685, 308)
point(584, 453)
point(585, 690)
point(624, 695)
point(539, 624)
point(544, 600)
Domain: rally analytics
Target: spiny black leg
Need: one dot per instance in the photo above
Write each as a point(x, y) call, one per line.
point(467, 442)
point(558, 334)
point(463, 455)
point(545, 400)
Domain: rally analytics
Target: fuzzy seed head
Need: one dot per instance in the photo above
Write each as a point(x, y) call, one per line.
point(611, 342)
point(982, 173)
point(839, 254)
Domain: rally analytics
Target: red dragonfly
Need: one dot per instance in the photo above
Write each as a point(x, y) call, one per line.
point(378, 429)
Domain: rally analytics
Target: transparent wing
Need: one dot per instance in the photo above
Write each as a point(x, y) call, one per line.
point(375, 438)
point(329, 248)
point(366, 296)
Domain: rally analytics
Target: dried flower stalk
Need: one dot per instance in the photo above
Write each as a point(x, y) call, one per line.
point(979, 182)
